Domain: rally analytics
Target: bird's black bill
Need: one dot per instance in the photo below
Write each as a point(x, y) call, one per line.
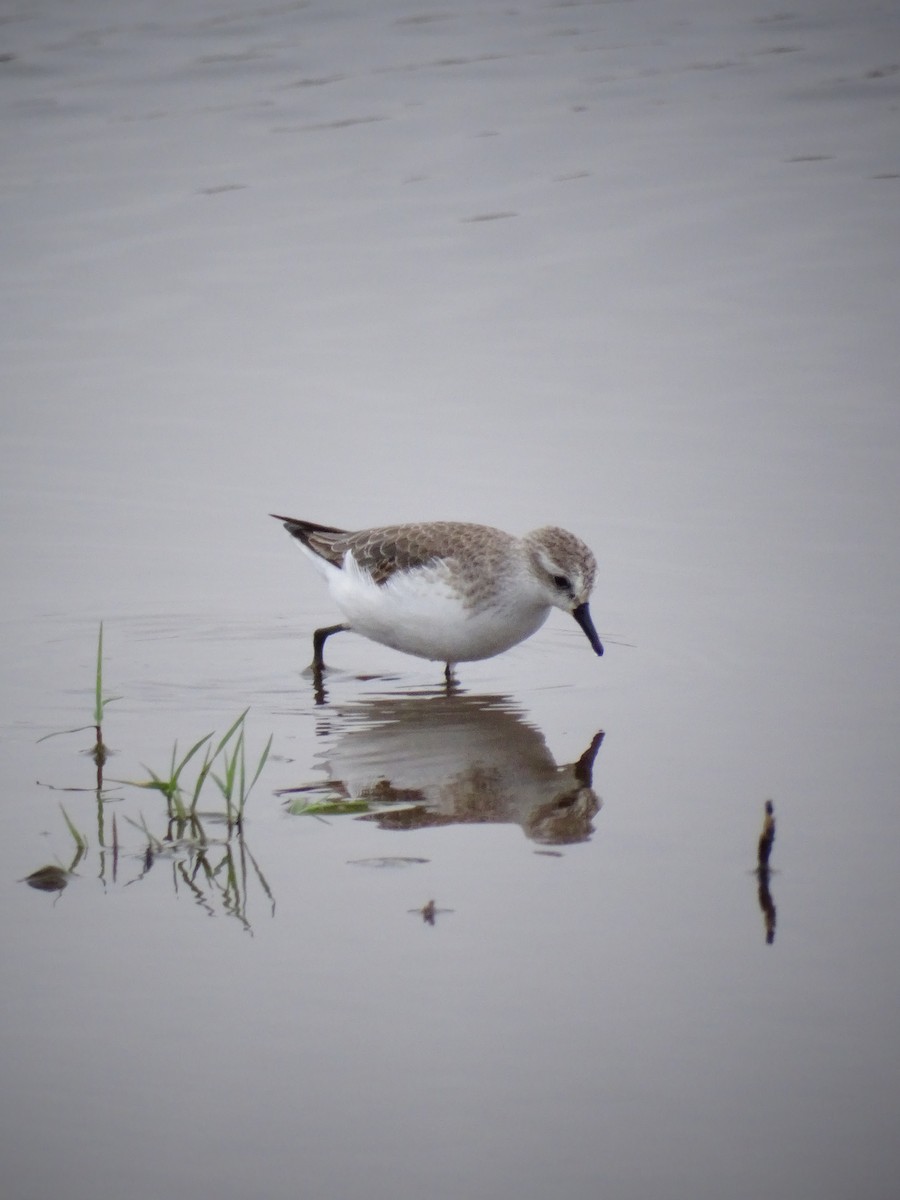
point(582, 615)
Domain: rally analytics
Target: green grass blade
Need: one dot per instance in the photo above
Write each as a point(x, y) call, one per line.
point(227, 784)
point(262, 762)
point(98, 700)
point(155, 783)
point(208, 760)
point(227, 737)
point(79, 838)
point(176, 771)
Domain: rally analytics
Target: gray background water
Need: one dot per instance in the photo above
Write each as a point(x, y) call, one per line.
point(627, 267)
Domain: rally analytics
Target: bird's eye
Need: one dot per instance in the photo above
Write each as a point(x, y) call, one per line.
point(562, 583)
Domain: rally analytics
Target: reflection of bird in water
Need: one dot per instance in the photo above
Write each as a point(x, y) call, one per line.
point(458, 759)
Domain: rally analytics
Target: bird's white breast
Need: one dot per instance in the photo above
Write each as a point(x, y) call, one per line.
point(421, 612)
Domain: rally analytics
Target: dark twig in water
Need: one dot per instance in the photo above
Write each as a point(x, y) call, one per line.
point(766, 838)
point(764, 850)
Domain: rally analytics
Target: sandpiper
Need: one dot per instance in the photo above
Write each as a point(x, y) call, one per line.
point(448, 591)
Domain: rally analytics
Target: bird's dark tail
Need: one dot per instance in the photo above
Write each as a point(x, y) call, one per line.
point(303, 529)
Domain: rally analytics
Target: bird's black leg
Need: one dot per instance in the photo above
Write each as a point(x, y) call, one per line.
point(319, 638)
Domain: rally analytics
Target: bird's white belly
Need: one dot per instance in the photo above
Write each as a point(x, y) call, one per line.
point(420, 613)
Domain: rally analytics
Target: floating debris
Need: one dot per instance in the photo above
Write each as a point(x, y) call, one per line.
point(387, 861)
point(47, 879)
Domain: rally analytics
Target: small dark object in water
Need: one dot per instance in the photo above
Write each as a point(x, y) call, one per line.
point(428, 912)
point(47, 879)
point(766, 838)
point(763, 874)
point(392, 860)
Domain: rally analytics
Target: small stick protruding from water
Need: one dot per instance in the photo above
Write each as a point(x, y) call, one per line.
point(766, 838)
point(763, 874)
point(429, 912)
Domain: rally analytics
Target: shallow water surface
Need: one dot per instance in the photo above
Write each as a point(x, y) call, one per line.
point(628, 268)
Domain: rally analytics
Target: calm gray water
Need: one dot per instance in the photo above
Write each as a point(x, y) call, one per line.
point(630, 268)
